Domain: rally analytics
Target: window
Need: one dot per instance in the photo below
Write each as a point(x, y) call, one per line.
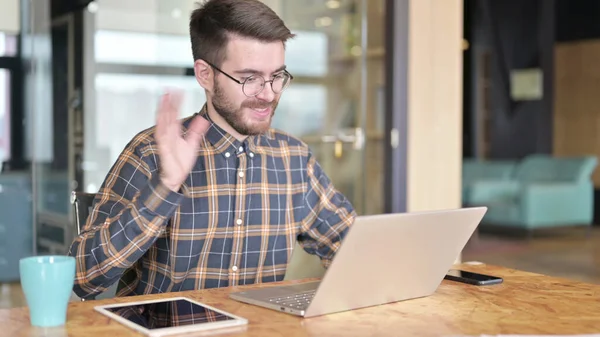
point(142, 49)
point(126, 100)
point(8, 44)
point(132, 48)
point(306, 45)
point(126, 104)
point(8, 62)
point(4, 115)
point(301, 109)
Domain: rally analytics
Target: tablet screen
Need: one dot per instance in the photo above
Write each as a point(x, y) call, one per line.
point(168, 313)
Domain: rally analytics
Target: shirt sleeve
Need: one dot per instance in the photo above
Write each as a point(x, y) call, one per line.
point(130, 211)
point(329, 215)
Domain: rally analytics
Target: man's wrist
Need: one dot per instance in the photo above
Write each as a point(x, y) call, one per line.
point(158, 198)
point(170, 185)
point(173, 187)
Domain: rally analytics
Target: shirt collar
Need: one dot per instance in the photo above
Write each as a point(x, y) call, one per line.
point(226, 144)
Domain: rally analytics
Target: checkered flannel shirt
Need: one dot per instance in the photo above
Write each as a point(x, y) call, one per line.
point(235, 221)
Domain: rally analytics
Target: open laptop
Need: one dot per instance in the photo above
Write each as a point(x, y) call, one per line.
point(383, 259)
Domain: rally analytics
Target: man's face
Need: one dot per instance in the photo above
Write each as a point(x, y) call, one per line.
point(247, 57)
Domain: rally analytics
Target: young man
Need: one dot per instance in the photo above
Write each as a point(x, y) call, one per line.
point(218, 199)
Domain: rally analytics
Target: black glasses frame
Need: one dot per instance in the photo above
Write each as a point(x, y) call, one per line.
point(255, 75)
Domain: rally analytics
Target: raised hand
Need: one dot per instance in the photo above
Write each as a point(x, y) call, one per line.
point(177, 152)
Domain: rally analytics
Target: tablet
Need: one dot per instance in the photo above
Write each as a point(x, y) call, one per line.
point(169, 316)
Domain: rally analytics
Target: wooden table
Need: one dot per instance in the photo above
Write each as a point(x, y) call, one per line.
point(525, 303)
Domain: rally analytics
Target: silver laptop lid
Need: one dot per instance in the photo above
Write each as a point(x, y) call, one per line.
point(393, 257)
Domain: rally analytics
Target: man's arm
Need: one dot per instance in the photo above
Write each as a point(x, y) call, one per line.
point(135, 201)
point(131, 210)
point(328, 216)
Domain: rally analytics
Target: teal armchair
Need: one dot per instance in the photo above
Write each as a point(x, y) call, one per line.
point(543, 192)
point(475, 170)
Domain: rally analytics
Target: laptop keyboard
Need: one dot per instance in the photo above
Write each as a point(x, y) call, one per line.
point(298, 301)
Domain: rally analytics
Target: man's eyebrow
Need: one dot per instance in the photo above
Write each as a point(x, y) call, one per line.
point(254, 71)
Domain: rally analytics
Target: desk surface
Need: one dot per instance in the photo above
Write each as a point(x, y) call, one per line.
point(525, 303)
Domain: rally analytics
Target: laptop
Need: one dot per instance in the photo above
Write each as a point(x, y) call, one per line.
point(384, 258)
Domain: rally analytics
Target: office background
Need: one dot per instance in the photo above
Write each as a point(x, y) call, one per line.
point(400, 99)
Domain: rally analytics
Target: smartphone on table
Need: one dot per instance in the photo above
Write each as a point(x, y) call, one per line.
point(472, 278)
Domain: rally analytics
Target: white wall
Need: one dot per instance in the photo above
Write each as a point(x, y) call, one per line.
point(10, 16)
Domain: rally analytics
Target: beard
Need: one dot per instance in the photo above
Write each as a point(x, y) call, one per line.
point(235, 116)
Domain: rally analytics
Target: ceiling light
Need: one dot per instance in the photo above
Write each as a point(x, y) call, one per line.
point(323, 21)
point(333, 4)
point(92, 7)
point(176, 13)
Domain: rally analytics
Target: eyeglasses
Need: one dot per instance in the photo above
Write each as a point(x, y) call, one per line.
point(254, 85)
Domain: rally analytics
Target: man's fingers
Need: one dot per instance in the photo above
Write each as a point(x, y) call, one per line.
point(197, 129)
point(168, 113)
point(175, 100)
point(161, 116)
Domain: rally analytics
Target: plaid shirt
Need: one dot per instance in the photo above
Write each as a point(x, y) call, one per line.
point(235, 221)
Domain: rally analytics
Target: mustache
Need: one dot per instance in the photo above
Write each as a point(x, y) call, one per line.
point(259, 105)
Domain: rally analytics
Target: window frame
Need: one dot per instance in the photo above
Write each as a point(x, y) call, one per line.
point(16, 129)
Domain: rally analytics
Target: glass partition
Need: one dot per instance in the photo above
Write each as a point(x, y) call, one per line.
point(343, 122)
point(16, 183)
point(16, 240)
point(123, 84)
point(93, 76)
point(335, 102)
point(5, 114)
point(96, 74)
point(49, 47)
point(8, 44)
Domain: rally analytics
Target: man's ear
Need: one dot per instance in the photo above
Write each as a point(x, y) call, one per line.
point(204, 74)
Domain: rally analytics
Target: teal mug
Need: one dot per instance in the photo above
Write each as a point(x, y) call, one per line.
point(47, 283)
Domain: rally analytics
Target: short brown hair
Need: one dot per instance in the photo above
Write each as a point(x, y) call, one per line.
point(214, 20)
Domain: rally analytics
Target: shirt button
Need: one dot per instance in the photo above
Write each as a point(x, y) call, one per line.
point(234, 268)
point(251, 155)
point(241, 174)
point(227, 154)
point(241, 149)
point(239, 221)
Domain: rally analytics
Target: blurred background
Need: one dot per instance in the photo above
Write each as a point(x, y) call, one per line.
point(408, 105)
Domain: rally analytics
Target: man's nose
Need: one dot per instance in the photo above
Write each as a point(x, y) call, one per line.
point(267, 94)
